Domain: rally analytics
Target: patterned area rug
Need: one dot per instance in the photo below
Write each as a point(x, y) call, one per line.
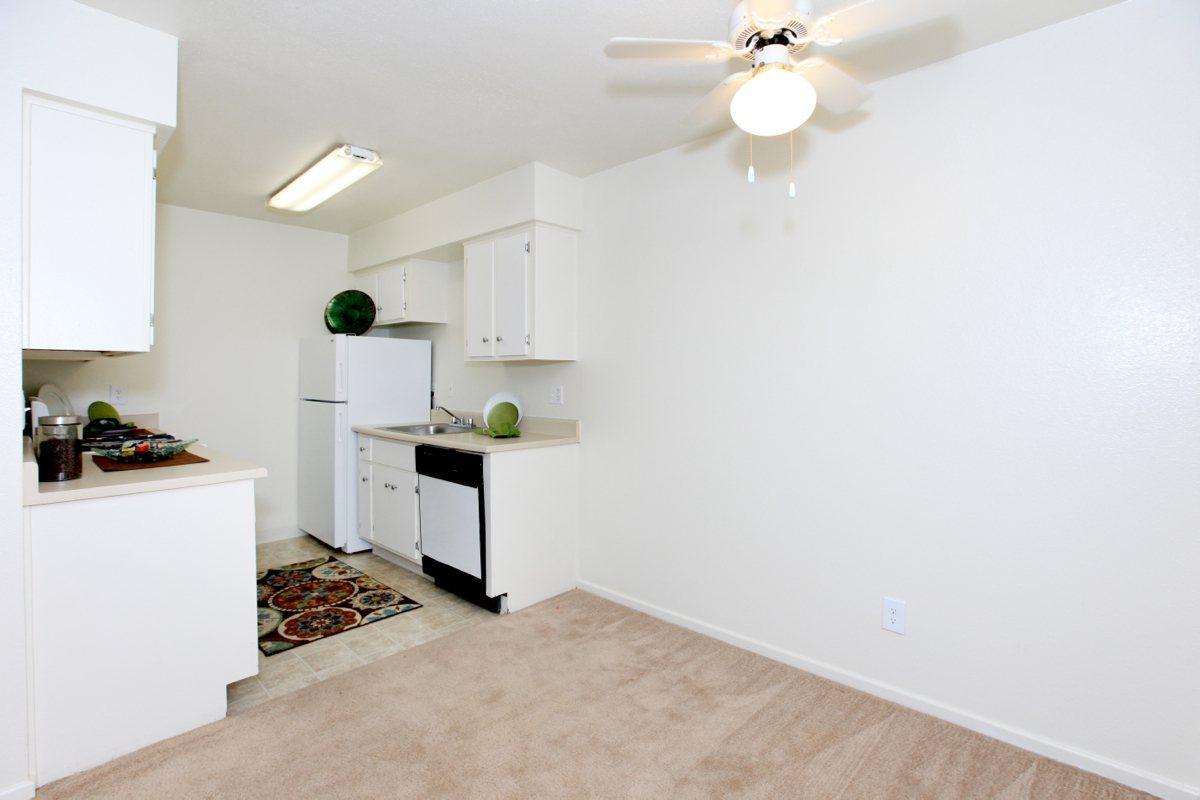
point(309, 600)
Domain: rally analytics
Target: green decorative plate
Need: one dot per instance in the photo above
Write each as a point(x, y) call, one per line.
point(350, 311)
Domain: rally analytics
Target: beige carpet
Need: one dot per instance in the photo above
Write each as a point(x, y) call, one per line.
point(579, 697)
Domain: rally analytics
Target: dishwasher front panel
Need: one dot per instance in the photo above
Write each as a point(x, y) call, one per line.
point(450, 524)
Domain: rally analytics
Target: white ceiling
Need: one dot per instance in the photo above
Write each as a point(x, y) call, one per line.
point(452, 92)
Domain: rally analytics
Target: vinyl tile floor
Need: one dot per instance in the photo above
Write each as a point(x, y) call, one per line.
point(440, 613)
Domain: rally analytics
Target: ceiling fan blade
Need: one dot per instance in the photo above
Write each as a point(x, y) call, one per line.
point(766, 12)
point(864, 18)
point(714, 106)
point(685, 49)
point(837, 92)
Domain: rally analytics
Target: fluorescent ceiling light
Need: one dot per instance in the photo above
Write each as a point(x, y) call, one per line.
point(343, 166)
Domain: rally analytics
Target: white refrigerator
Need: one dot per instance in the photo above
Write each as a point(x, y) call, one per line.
point(345, 381)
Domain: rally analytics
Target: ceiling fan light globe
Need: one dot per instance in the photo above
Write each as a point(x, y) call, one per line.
point(772, 103)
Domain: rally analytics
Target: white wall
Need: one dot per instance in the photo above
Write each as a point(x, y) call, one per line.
point(960, 369)
point(66, 49)
point(233, 298)
point(531, 191)
point(463, 385)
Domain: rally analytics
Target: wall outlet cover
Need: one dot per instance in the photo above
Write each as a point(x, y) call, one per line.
point(118, 395)
point(557, 395)
point(895, 615)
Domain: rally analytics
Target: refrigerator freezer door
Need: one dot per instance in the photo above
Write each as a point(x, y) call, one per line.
point(322, 510)
point(323, 367)
point(388, 380)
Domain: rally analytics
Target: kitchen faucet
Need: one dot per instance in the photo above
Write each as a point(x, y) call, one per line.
point(454, 419)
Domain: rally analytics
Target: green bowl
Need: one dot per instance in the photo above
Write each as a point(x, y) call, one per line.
point(350, 311)
point(503, 414)
point(102, 410)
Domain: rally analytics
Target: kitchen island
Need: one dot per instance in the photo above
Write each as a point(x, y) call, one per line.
point(141, 604)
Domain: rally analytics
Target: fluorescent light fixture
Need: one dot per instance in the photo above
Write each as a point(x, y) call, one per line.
point(342, 166)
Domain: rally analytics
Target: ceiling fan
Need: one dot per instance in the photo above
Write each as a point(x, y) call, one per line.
point(780, 92)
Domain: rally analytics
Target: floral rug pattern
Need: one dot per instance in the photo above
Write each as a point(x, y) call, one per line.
point(309, 600)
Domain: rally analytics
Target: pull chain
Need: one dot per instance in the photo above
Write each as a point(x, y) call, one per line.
point(750, 170)
point(791, 165)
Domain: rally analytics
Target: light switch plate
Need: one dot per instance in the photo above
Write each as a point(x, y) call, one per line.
point(895, 615)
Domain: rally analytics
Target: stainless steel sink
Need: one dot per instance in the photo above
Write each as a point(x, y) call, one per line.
point(428, 429)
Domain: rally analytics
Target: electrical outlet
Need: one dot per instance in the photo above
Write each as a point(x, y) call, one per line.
point(557, 396)
point(895, 615)
point(118, 395)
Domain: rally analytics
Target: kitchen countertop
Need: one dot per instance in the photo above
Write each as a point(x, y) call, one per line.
point(535, 432)
point(96, 483)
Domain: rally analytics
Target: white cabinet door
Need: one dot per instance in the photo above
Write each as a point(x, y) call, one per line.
point(391, 304)
point(425, 290)
point(511, 294)
point(90, 239)
point(395, 517)
point(364, 500)
point(478, 260)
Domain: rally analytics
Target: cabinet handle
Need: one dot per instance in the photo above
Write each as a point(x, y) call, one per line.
point(363, 479)
point(499, 338)
point(485, 339)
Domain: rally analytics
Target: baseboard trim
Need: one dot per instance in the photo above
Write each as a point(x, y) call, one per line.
point(400, 561)
point(18, 791)
point(1122, 773)
point(278, 534)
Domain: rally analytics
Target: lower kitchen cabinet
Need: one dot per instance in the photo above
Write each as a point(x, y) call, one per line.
point(125, 650)
point(529, 524)
point(364, 500)
point(387, 499)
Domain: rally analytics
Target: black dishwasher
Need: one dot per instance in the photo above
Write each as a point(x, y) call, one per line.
point(453, 528)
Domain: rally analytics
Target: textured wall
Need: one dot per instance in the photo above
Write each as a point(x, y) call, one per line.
point(960, 369)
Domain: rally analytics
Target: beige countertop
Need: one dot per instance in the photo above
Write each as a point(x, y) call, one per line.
point(535, 432)
point(95, 483)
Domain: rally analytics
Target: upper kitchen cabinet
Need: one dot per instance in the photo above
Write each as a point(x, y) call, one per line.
point(412, 291)
point(519, 290)
point(89, 229)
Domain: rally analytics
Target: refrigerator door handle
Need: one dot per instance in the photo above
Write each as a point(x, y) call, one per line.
point(341, 423)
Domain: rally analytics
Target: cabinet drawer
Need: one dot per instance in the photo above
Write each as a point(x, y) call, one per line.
point(394, 454)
